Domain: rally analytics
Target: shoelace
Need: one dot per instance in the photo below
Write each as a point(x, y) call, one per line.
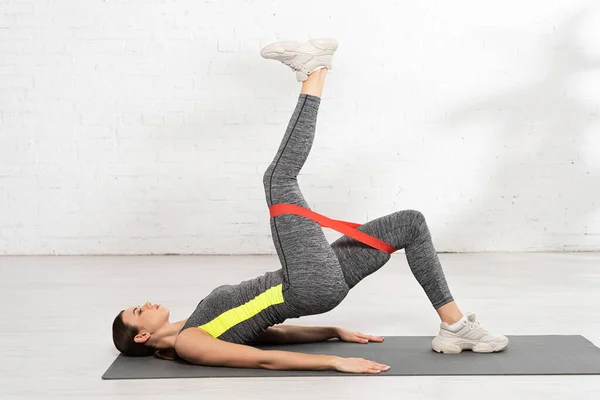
point(477, 325)
point(295, 67)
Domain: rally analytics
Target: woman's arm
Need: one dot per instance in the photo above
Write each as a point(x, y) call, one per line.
point(284, 334)
point(291, 334)
point(202, 349)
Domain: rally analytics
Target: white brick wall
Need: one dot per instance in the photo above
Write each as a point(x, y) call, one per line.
point(144, 127)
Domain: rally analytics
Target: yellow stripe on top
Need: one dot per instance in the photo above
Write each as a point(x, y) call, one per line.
point(232, 317)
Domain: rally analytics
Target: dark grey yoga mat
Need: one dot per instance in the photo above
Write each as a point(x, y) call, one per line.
point(407, 355)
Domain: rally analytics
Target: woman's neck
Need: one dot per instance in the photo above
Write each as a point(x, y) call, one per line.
point(167, 336)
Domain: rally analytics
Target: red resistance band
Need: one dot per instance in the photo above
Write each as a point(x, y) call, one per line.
point(347, 228)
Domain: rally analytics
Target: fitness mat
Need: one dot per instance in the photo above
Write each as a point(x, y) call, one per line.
point(406, 355)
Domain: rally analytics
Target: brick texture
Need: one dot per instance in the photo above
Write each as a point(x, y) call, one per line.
point(144, 127)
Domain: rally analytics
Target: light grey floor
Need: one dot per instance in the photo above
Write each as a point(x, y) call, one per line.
point(55, 340)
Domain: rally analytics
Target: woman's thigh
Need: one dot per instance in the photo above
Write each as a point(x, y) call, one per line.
point(313, 281)
point(359, 260)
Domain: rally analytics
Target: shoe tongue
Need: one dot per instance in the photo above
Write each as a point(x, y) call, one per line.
point(471, 317)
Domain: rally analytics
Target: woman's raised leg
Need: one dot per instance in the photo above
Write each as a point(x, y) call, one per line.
point(313, 279)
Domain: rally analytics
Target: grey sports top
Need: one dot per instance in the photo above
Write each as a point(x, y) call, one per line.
point(238, 313)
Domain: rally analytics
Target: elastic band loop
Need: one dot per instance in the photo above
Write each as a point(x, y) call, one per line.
point(347, 228)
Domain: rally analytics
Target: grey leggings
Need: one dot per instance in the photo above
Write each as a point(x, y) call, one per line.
point(316, 275)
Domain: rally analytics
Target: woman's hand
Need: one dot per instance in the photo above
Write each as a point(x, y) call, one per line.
point(356, 337)
point(359, 365)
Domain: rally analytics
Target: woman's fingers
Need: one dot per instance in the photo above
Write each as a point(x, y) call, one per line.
point(372, 338)
point(374, 367)
point(360, 365)
point(377, 370)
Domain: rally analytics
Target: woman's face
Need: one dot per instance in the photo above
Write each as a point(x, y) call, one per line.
point(149, 317)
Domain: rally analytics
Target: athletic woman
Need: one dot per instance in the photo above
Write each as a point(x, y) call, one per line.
point(315, 276)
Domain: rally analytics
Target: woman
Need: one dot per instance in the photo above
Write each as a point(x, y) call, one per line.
point(315, 276)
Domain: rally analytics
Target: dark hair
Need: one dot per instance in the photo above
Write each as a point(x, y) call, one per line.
point(123, 336)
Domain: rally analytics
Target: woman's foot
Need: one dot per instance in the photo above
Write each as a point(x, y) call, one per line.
point(467, 334)
point(304, 58)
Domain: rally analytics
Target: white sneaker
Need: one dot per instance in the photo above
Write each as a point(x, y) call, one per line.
point(468, 335)
point(304, 58)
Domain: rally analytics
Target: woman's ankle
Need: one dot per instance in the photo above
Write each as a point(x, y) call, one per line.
point(315, 82)
point(450, 313)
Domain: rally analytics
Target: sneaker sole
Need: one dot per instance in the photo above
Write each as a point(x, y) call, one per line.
point(457, 347)
point(328, 47)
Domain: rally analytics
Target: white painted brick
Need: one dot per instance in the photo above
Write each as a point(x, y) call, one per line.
point(11, 119)
point(235, 168)
point(255, 193)
point(9, 81)
point(225, 193)
point(365, 193)
point(383, 179)
point(278, 118)
point(10, 47)
point(7, 70)
point(153, 119)
point(235, 119)
point(16, 8)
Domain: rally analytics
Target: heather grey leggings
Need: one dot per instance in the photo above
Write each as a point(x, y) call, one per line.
point(316, 275)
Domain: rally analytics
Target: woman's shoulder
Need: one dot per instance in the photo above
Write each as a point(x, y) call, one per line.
point(192, 332)
point(189, 336)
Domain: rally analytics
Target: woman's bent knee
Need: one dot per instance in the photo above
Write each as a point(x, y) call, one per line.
point(411, 217)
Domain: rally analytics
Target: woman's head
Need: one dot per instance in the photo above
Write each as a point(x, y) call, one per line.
point(133, 328)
